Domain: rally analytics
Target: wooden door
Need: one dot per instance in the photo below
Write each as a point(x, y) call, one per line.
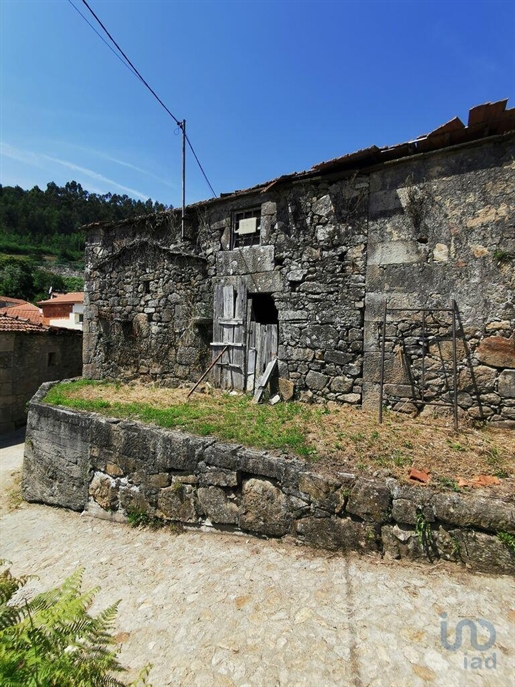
point(262, 345)
point(229, 328)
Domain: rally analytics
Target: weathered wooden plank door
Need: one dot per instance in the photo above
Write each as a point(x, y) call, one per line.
point(262, 344)
point(229, 328)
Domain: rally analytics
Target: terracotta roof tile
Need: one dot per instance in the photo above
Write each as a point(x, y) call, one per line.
point(485, 120)
point(14, 301)
point(26, 311)
point(489, 119)
point(18, 324)
point(73, 297)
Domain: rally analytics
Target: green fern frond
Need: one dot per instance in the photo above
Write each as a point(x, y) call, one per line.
point(9, 585)
point(52, 641)
point(11, 615)
point(142, 679)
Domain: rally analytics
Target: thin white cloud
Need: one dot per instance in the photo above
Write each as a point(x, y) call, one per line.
point(37, 160)
point(122, 163)
point(95, 175)
point(24, 156)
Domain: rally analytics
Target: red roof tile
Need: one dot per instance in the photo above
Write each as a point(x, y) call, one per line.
point(489, 119)
point(14, 301)
point(17, 324)
point(26, 311)
point(74, 297)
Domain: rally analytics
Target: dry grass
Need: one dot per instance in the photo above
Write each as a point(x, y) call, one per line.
point(354, 438)
point(343, 438)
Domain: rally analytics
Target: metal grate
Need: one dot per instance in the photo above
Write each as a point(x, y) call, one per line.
point(421, 337)
point(246, 239)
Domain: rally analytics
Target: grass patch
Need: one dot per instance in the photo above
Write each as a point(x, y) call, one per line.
point(449, 483)
point(339, 438)
point(231, 418)
point(508, 540)
point(141, 519)
point(424, 532)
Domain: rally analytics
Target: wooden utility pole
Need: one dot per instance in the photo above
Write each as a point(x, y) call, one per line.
point(183, 127)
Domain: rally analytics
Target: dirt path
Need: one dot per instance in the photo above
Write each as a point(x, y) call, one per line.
point(211, 609)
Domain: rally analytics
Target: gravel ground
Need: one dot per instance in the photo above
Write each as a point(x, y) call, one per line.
point(217, 609)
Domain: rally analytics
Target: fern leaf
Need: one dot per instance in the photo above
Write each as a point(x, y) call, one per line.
point(52, 640)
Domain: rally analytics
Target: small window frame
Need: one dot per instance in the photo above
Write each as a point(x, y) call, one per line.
point(244, 240)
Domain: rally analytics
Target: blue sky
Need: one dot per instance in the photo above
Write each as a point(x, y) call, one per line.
point(267, 87)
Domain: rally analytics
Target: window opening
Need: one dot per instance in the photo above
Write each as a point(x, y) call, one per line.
point(246, 228)
point(263, 309)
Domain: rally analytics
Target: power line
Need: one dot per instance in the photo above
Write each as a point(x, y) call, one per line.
point(102, 38)
point(132, 66)
point(127, 62)
point(198, 163)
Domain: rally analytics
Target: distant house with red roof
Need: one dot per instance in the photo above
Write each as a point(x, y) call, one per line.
point(31, 353)
point(25, 311)
point(64, 310)
point(6, 302)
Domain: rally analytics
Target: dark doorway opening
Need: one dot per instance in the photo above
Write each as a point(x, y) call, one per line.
point(263, 308)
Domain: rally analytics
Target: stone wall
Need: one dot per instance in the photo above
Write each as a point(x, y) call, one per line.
point(441, 228)
point(421, 231)
point(27, 359)
point(312, 261)
point(113, 469)
point(146, 298)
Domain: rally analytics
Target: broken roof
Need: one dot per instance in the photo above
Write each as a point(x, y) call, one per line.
point(485, 120)
point(488, 119)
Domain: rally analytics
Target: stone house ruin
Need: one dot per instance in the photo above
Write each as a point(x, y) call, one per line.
point(386, 274)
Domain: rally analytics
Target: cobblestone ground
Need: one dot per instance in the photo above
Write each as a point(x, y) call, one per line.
point(217, 609)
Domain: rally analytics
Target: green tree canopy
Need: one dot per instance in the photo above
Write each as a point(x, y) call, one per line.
point(50, 220)
point(22, 279)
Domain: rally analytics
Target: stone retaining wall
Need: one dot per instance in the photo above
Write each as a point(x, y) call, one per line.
point(112, 468)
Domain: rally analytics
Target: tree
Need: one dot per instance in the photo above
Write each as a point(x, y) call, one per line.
point(16, 279)
point(45, 220)
point(22, 279)
point(42, 282)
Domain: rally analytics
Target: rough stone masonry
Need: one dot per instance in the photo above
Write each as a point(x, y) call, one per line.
point(120, 469)
point(315, 258)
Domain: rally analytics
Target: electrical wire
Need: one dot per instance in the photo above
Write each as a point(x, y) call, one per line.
point(198, 163)
point(133, 67)
point(102, 38)
point(127, 62)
